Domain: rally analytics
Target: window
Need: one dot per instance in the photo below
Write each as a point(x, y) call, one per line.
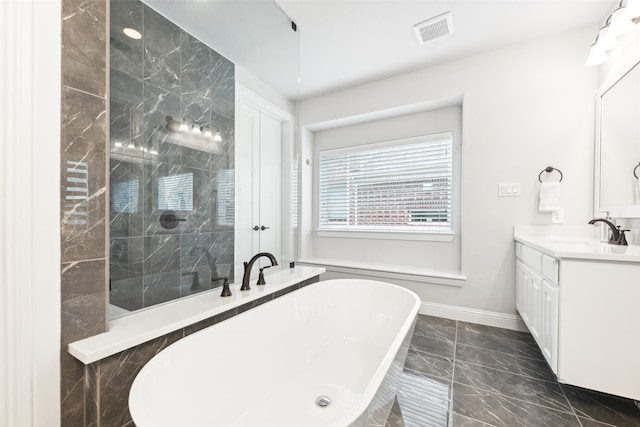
point(225, 197)
point(124, 196)
point(76, 198)
point(403, 185)
point(175, 192)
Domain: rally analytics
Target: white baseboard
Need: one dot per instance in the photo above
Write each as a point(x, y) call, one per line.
point(489, 318)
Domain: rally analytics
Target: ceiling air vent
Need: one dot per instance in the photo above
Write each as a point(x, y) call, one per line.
point(434, 28)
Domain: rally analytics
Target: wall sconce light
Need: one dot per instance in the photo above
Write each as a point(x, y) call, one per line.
point(621, 21)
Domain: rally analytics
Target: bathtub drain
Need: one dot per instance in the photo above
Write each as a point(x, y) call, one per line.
point(323, 401)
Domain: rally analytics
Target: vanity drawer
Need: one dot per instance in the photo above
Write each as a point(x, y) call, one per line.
point(532, 257)
point(550, 268)
point(518, 250)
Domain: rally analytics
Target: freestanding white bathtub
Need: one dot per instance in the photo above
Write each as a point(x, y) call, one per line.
point(346, 340)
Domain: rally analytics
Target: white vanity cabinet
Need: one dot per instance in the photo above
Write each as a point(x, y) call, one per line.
point(580, 300)
point(537, 299)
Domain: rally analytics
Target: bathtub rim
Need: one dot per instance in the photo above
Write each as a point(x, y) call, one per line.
point(371, 388)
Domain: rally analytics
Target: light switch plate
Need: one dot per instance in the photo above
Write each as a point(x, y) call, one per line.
point(511, 189)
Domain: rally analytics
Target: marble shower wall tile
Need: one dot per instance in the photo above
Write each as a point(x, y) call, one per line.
point(83, 183)
point(196, 69)
point(83, 297)
point(226, 126)
point(84, 45)
point(223, 85)
point(166, 73)
point(161, 51)
point(72, 391)
point(162, 287)
point(83, 300)
point(158, 104)
point(126, 256)
point(126, 54)
point(222, 247)
point(125, 112)
point(161, 254)
point(92, 394)
point(198, 220)
point(127, 293)
point(126, 184)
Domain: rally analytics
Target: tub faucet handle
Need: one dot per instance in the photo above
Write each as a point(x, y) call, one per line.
point(226, 291)
point(261, 280)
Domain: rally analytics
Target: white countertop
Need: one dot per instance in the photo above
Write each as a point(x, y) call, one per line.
point(577, 242)
point(145, 325)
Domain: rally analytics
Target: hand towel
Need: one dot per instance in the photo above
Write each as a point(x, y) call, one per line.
point(549, 197)
point(636, 187)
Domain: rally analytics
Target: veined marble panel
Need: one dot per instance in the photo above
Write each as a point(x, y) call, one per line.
point(161, 254)
point(126, 53)
point(83, 299)
point(117, 373)
point(127, 293)
point(83, 182)
point(84, 44)
point(126, 197)
point(196, 66)
point(161, 51)
point(162, 287)
point(223, 85)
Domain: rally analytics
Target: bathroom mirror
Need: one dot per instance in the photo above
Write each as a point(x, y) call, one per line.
point(175, 67)
point(618, 147)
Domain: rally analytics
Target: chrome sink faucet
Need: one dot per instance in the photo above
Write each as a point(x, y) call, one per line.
point(617, 235)
point(249, 265)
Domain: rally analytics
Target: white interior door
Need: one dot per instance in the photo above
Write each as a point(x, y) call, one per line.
point(259, 186)
point(270, 193)
point(247, 135)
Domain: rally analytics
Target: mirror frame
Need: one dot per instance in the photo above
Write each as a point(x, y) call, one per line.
point(630, 211)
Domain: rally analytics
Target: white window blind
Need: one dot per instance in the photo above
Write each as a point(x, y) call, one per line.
point(124, 196)
point(225, 197)
point(403, 185)
point(176, 192)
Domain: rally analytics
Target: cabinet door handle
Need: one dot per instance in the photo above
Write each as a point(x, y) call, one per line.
point(256, 228)
point(264, 228)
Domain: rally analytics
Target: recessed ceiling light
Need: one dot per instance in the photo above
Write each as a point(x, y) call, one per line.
point(131, 33)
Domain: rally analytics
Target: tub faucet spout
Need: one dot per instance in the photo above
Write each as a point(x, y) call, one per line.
point(249, 265)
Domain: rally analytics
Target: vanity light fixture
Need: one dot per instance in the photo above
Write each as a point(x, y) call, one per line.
point(131, 33)
point(207, 133)
point(188, 125)
point(621, 21)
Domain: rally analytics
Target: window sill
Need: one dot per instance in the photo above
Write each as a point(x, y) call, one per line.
point(387, 235)
point(390, 271)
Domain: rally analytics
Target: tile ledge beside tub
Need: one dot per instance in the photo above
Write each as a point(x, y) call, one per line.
point(391, 271)
point(137, 328)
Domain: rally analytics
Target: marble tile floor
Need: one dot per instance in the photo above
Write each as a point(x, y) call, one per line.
point(460, 374)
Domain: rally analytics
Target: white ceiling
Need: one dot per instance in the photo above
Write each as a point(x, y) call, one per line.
point(350, 42)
